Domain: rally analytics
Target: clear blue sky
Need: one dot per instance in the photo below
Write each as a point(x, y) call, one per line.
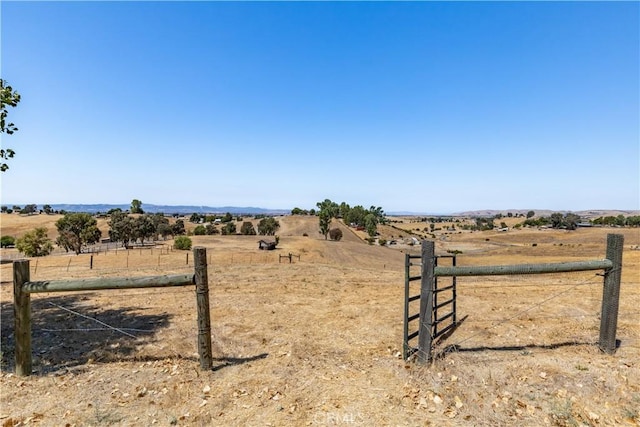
point(412, 106)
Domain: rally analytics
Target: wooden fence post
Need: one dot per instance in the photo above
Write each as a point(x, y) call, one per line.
point(22, 318)
point(204, 317)
point(611, 294)
point(426, 301)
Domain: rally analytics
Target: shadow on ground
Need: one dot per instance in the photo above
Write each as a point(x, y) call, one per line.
point(69, 331)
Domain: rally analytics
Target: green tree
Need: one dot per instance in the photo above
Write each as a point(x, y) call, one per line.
point(571, 221)
point(557, 220)
point(378, 213)
point(211, 229)
point(161, 224)
point(633, 221)
point(326, 211)
point(35, 243)
point(121, 228)
point(77, 230)
point(195, 218)
point(8, 98)
point(200, 230)
point(7, 241)
point(143, 227)
point(29, 209)
point(227, 217)
point(47, 209)
point(247, 229)
point(355, 216)
point(178, 229)
point(182, 243)
point(164, 230)
point(268, 226)
point(530, 214)
point(371, 224)
point(136, 207)
point(343, 210)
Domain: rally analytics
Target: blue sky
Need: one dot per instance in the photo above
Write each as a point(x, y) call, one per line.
point(412, 106)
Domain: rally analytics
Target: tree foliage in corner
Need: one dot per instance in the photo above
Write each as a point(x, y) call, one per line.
point(77, 230)
point(9, 98)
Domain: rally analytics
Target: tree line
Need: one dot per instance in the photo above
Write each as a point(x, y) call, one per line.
point(356, 216)
point(78, 230)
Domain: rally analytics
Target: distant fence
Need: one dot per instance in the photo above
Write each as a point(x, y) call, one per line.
point(428, 316)
point(23, 287)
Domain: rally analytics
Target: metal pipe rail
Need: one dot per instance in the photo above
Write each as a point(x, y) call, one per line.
point(497, 270)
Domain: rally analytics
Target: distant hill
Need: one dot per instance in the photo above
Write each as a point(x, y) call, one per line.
point(167, 209)
point(593, 213)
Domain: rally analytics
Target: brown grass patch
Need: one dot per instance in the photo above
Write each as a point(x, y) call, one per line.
point(315, 342)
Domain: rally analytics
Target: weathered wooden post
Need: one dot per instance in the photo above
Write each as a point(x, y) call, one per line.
point(204, 317)
point(22, 318)
point(611, 294)
point(426, 301)
point(91, 263)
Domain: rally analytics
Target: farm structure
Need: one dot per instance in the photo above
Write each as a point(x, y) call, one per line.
point(268, 246)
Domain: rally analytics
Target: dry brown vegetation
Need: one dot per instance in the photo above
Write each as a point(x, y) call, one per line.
point(317, 342)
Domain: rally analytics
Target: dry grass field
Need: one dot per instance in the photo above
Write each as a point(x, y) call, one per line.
point(318, 341)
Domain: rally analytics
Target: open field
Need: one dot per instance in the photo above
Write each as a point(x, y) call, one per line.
point(317, 341)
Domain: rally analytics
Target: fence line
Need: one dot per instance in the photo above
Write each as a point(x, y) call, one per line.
point(23, 287)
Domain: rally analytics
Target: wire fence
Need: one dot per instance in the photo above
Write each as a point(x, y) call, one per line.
point(71, 329)
point(148, 260)
point(524, 311)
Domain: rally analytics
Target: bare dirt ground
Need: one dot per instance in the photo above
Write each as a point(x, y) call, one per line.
point(317, 341)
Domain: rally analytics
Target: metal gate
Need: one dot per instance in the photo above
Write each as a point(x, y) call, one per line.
point(440, 303)
point(437, 303)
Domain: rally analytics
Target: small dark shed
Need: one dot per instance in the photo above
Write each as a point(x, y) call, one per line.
point(268, 246)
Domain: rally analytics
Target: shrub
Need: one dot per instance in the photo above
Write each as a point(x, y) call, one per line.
point(182, 243)
point(229, 228)
point(335, 234)
point(200, 230)
point(7, 241)
point(382, 242)
point(35, 243)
